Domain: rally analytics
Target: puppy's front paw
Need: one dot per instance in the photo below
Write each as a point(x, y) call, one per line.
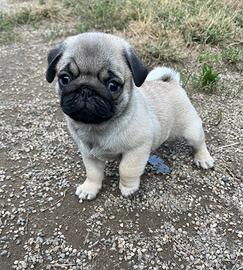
point(204, 160)
point(87, 191)
point(128, 190)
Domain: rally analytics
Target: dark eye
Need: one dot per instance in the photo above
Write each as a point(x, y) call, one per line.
point(113, 86)
point(64, 79)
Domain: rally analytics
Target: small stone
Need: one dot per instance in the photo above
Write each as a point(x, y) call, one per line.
point(62, 255)
point(24, 265)
point(4, 253)
point(18, 242)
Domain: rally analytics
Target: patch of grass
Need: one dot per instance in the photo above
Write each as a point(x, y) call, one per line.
point(26, 15)
point(5, 24)
point(238, 18)
point(209, 76)
point(42, 2)
point(103, 15)
point(8, 37)
point(207, 80)
point(209, 57)
point(208, 29)
point(156, 45)
point(161, 30)
point(233, 55)
point(211, 21)
point(7, 33)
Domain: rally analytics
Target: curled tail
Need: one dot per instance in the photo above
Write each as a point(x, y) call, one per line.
point(163, 73)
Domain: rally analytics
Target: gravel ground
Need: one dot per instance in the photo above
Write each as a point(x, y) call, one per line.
point(189, 219)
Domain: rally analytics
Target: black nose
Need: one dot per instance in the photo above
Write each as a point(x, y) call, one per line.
point(86, 93)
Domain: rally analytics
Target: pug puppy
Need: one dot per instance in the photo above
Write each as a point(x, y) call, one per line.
point(114, 108)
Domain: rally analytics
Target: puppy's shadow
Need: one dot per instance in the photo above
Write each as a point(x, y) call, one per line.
point(173, 150)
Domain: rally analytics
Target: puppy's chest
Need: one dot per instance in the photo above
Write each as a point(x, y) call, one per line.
point(102, 150)
point(102, 147)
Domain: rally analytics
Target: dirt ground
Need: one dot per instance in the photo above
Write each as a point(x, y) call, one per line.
point(189, 219)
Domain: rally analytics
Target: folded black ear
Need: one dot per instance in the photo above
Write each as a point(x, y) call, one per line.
point(53, 58)
point(138, 69)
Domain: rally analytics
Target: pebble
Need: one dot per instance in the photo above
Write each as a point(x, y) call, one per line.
point(4, 253)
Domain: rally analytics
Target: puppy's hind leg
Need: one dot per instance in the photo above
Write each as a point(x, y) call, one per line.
point(194, 134)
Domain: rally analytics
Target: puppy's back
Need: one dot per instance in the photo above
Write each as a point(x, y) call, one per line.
point(168, 100)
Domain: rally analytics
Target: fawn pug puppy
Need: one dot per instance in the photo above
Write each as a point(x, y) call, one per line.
point(114, 108)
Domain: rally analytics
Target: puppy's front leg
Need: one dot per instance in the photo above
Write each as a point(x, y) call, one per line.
point(131, 168)
point(92, 184)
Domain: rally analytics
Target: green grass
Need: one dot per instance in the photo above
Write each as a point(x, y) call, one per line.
point(233, 55)
point(238, 18)
point(7, 33)
point(209, 76)
point(207, 80)
point(230, 55)
point(209, 57)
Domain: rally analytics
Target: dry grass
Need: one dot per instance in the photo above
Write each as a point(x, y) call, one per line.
point(156, 45)
point(163, 31)
point(27, 12)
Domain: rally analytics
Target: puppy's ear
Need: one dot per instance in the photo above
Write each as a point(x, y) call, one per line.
point(138, 69)
point(53, 58)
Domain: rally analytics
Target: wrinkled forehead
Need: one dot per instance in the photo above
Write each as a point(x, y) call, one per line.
point(93, 54)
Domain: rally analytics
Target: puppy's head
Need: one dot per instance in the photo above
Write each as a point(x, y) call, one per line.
point(96, 74)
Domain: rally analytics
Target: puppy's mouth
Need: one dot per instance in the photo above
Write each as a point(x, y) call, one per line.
point(85, 105)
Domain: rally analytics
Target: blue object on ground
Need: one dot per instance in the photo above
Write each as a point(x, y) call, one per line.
point(158, 165)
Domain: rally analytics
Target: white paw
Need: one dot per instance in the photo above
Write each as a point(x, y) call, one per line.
point(87, 191)
point(204, 160)
point(128, 190)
